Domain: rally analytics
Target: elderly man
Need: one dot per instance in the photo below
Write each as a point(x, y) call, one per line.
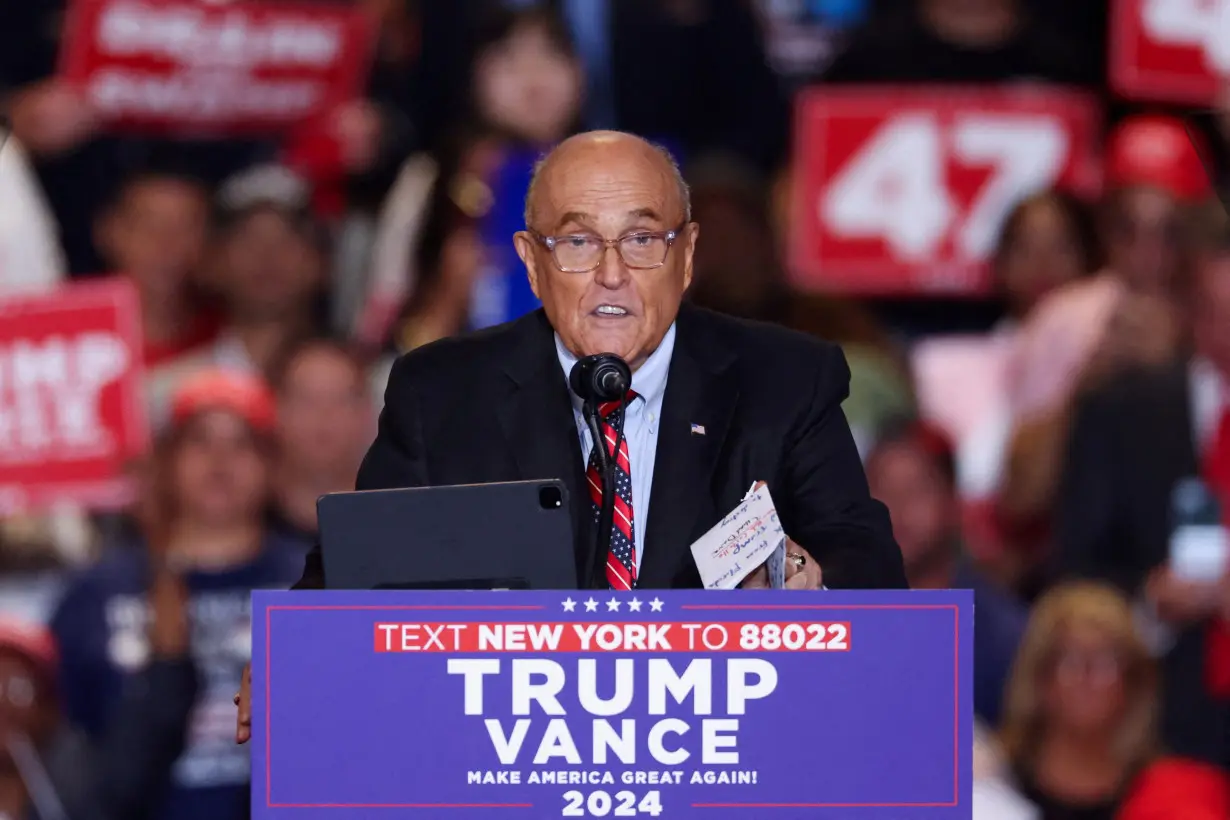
point(716, 403)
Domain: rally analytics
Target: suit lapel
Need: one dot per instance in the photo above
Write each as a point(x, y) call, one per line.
point(696, 393)
point(540, 429)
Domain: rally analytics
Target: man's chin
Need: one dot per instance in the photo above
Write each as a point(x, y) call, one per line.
point(620, 342)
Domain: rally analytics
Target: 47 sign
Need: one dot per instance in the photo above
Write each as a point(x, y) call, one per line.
point(904, 191)
point(1170, 50)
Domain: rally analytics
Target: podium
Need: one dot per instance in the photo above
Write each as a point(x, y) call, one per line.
point(673, 704)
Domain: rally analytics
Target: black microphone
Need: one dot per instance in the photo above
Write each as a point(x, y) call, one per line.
point(601, 378)
point(596, 380)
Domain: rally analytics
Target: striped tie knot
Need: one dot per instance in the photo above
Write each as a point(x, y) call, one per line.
point(608, 408)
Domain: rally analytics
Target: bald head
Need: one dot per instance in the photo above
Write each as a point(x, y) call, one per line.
point(615, 210)
point(599, 151)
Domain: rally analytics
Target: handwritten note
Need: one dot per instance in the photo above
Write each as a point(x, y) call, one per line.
point(747, 537)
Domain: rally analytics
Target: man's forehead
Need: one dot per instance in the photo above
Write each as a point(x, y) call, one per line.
point(607, 181)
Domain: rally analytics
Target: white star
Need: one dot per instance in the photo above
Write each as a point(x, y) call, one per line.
point(634, 605)
point(570, 605)
point(655, 605)
point(612, 605)
point(591, 605)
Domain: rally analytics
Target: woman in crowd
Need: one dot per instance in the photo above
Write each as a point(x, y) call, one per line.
point(1047, 241)
point(209, 491)
point(527, 90)
point(1079, 729)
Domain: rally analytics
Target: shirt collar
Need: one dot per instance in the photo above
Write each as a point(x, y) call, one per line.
point(649, 381)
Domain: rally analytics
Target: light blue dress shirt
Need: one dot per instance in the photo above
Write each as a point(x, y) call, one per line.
point(641, 424)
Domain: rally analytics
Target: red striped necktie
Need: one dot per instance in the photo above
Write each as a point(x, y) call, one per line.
point(621, 560)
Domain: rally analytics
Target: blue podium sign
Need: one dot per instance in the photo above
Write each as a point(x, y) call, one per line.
point(682, 704)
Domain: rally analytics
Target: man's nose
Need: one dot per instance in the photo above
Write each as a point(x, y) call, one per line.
point(612, 273)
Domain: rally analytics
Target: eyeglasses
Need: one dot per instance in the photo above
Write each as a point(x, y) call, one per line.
point(583, 252)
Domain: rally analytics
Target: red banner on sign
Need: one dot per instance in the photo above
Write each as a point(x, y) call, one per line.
point(902, 191)
point(72, 408)
point(1170, 50)
point(216, 67)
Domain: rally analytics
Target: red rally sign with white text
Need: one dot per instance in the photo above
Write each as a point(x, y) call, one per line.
point(901, 191)
point(1170, 50)
point(72, 409)
point(215, 67)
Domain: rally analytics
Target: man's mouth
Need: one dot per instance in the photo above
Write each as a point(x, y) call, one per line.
point(610, 310)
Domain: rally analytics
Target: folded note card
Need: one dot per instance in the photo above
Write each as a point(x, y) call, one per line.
point(738, 544)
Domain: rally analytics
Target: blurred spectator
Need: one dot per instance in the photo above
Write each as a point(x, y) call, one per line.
point(526, 95)
point(209, 494)
point(1133, 442)
point(912, 470)
point(1124, 317)
point(51, 771)
point(154, 234)
point(270, 268)
point(30, 255)
point(736, 269)
point(1048, 240)
point(527, 80)
point(267, 266)
point(1080, 725)
point(1079, 720)
point(962, 41)
point(325, 422)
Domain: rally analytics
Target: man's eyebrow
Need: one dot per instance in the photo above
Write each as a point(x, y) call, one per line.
point(645, 213)
point(576, 217)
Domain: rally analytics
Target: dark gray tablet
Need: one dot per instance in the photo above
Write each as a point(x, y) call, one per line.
point(515, 535)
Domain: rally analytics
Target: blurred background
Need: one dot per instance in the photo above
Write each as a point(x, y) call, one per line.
point(221, 220)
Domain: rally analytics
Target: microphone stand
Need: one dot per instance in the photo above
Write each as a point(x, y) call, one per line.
point(606, 513)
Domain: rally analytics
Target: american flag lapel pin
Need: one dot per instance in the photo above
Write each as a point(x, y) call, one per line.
point(698, 429)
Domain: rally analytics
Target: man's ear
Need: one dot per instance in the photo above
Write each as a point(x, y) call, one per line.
point(690, 234)
point(525, 245)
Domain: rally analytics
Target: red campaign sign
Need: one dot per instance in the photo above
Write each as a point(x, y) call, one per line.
point(72, 406)
point(215, 67)
point(1170, 50)
point(901, 191)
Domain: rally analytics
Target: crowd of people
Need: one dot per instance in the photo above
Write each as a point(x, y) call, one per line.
point(277, 281)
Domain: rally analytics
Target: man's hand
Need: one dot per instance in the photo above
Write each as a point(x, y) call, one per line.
point(1184, 602)
point(802, 571)
point(243, 721)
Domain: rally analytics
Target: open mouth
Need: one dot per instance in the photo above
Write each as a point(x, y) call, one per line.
point(611, 311)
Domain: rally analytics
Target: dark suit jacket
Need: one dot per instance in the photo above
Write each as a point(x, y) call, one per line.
point(495, 406)
point(1131, 443)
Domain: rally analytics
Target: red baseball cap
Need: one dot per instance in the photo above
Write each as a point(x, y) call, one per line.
point(1156, 151)
point(244, 395)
